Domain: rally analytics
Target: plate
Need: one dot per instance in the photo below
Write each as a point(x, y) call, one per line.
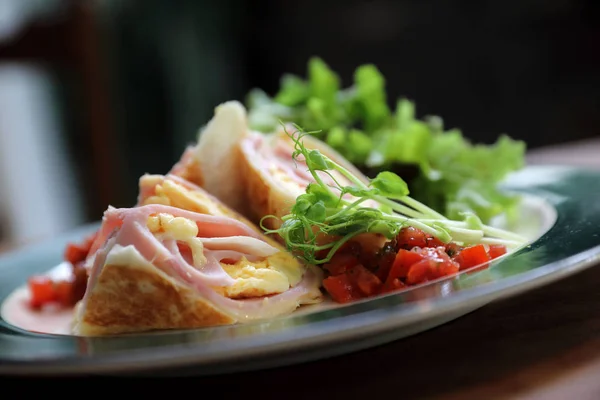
point(560, 213)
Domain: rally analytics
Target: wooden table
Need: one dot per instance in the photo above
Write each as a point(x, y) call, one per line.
point(544, 344)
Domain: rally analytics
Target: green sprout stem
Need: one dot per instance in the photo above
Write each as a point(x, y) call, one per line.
point(349, 207)
point(416, 205)
point(343, 220)
point(487, 230)
point(350, 176)
point(415, 223)
point(400, 208)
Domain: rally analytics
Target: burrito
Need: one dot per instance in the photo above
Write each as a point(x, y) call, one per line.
point(250, 171)
point(160, 267)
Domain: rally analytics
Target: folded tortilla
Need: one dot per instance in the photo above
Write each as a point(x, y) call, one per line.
point(159, 267)
point(253, 172)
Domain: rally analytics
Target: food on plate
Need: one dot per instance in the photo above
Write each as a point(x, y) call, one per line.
point(64, 291)
point(173, 190)
point(255, 218)
point(177, 193)
point(161, 267)
point(442, 167)
point(274, 179)
point(260, 177)
point(209, 164)
point(373, 249)
point(213, 161)
point(274, 175)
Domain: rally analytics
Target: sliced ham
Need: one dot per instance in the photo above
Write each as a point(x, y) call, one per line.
point(222, 238)
point(246, 244)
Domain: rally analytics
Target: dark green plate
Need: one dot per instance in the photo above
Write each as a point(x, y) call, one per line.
point(561, 213)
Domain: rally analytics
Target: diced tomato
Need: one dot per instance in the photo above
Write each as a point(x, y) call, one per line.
point(472, 256)
point(44, 290)
point(412, 258)
point(402, 263)
point(340, 263)
point(75, 253)
point(386, 257)
point(453, 249)
point(421, 272)
point(41, 289)
point(433, 242)
point(496, 250)
point(447, 268)
point(410, 237)
point(430, 269)
point(63, 292)
point(392, 285)
point(366, 281)
point(341, 289)
point(435, 253)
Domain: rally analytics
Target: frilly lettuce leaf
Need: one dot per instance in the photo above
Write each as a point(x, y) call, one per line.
point(455, 175)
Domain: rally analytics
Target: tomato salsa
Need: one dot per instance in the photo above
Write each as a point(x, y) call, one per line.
point(413, 257)
point(45, 290)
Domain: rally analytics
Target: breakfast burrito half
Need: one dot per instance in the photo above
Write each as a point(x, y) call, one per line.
point(162, 267)
point(253, 172)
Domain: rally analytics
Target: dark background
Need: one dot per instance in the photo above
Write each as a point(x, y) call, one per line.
point(139, 78)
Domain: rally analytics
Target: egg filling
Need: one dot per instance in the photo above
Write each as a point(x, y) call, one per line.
point(272, 275)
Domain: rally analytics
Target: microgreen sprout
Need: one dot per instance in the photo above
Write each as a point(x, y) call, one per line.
point(331, 213)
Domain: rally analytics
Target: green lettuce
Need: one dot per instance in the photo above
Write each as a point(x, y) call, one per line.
point(454, 175)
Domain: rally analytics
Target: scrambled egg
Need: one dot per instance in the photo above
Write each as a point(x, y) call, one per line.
point(275, 274)
point(170, 193)
point(180, 229)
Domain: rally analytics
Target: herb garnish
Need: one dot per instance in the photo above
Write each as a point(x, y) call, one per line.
point(328, 215)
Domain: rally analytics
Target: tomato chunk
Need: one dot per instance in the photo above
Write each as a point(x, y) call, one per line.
point(421, 272)
point(364, 280)
point(413, 257)
point(63, 292)
point(77, 252)
point(404, 260)
point(435, 253)
point(340, 263)
point(341, 289)
point(410, 237)
point(453, 249)
point(41, 289)
point(447, 268)
point(430, 269)
point(496, 250)
point(472, 256)
point(386, 258)
point(391, 285)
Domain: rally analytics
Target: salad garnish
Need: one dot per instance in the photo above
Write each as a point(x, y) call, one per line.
point(327, 215)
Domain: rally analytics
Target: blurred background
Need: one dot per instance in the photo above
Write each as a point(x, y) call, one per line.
point(95, 93)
